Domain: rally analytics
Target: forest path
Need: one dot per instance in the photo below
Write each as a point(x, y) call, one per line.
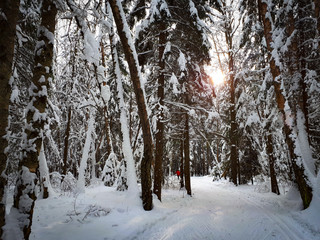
point(219, 212)
point(216, 211)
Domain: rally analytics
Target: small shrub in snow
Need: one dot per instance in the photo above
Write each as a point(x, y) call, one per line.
point(91, 210)
point(69, 183)
point(96, 211)
point(55, 179)
point(171, 182)
point(263, 187)
point(65, 184)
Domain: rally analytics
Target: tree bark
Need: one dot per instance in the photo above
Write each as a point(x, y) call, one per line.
point(274, 182)
point(126, 145)
point(234, 162)
point(181, 164)
point(133, 64)
point(66, 145)
point(160, 125)
point(186, 147)
point(25, 193)
point(317, 15)
point(302, 181)
point(105, 109)
point(297, 67)
point(8, 21)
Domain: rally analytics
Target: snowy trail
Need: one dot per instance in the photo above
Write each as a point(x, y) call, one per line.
point(215, 211)
point(286, 229)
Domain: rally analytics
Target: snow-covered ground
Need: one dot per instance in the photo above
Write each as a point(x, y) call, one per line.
point(216, 210)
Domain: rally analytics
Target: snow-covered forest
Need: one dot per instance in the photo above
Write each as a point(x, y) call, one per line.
point(159, 119)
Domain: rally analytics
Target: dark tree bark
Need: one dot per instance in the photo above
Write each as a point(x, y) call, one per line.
point(133, 64)
point(105, 108)
point(297, 67)
point(302, 181)
point(25, 194)
point(66, 145)
point(160, 125)
point(186, 141)
point(8, 21)
point(234, 162)
point(181, 165)
point(273, 176)
point(233, 131)
point(317, 15)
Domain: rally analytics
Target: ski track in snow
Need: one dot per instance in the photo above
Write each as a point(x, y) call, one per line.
point(286, 229)
point(194, 220)
point(216, 210)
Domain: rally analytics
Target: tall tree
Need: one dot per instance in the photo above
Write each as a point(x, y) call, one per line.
point(266, 13)
point(152, 54)
point(255, 54)
point(132, 59)
point(186, 148)
point(25, 193)
point(126, 146)
point(159, 17)
point(158, 174)
point(9, 10)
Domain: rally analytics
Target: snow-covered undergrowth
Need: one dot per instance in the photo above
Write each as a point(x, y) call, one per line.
point(216, 210)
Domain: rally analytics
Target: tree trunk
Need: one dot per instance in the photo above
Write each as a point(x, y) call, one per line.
point(317, 15)
point(66, 145)
point(44, 176)
point(302, 181)
point(160, 126)
point(126, 145)
point(105, 109)
point(25, 193)
point(85, 152)
point(132, 59)
point(297, 67)
point(187, 155)
point(274, 182)
point(209, 157)
point(10, 9)
point(181, 165)
point(234, 162)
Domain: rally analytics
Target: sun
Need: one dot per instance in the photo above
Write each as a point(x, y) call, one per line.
point(217, 77)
